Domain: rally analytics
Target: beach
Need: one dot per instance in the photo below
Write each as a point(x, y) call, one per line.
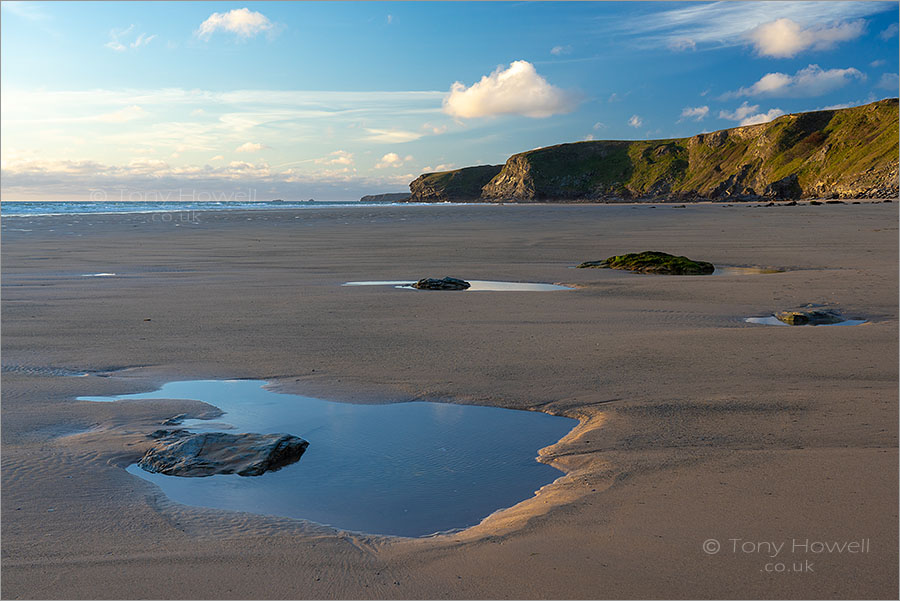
point(695, 426)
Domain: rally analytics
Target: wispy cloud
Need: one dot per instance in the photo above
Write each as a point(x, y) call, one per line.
point(561, 50)
point(243, 22)
point(728, 23)
point(119, 39)
point(807, 82)
point(889, 81)
point(889, 32)
point(392, 136)
point(515, 90)
point(635, 121)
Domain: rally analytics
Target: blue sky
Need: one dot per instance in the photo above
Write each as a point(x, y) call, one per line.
point(334, 100)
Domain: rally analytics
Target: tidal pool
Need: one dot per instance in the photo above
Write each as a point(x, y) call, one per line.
point(774, 321)
point(476, 286)
point(405, 469)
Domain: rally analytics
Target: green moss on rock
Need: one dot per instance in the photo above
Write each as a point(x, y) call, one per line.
point(653, 262)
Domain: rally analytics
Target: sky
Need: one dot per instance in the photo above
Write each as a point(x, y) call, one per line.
point(334, 100)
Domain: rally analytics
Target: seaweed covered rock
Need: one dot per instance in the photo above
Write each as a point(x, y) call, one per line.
point(179, 452)
point(810, 315)
point(653, 262)
point(446, 283)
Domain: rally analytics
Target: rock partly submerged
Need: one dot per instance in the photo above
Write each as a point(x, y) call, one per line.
point(179, 452)
point(810, 315)
point(653, 262)
point(446, 283)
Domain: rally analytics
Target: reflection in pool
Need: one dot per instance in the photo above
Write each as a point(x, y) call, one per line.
point(774, 321)
point(408, 469)
point(476, 286)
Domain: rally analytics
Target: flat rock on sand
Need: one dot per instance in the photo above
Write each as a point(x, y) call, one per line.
point(182, 453)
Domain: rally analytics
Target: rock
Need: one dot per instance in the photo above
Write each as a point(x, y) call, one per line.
point(387, 197)
point(810, 315)
point(653, 262)
point(175, 420)
point(787, 188)
point(447, 283)
point(182, 453)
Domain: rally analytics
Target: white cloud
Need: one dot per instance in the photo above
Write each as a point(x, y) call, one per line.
point(218, 157)
point(438, 168)
point(390, 19)
point(588, 138)
point(142, 40)
point(338, 157)
point(810, 81)
point(889, 32)
point(516, 90)
point(784, 38)
point(599, 125)
point(889, 81)
point(635, 121)
point(682, 44)
point(118, 36)
point(392, 159)
point(243, 22)
point(762, 117)
point(128, 113)
point(697, 113)
point(249, 147)
point(722, 24)
point(392, 136)
point(560, 50)
point(877, 63)
point(747, 114)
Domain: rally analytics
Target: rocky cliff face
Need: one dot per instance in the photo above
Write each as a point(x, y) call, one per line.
point(460, 185)
point(824, 154)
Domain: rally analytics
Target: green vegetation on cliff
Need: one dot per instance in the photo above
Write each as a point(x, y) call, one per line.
point(849, 152)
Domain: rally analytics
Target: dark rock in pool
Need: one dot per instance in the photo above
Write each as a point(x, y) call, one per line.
point(810, 315)
point(182, 453)
point(653, 262)
point(447, 283)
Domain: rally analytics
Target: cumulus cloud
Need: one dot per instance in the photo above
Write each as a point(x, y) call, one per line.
point(697, 113)
point(243, 22)
point(560, 50)
point(392, 159)
point(635, 121)
point(338, 157)
point(516, 90)
point(810, 81)
point(784, 38)
point(249, 147)
point(747, 114)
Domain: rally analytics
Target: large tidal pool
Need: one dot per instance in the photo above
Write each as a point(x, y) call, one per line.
point(406, 469)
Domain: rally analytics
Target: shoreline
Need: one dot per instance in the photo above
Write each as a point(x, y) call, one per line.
point(692, 425)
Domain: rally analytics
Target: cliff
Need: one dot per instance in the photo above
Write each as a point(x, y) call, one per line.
point(842, 153)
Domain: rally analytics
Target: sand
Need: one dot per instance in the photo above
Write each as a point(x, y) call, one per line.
point(695, 425)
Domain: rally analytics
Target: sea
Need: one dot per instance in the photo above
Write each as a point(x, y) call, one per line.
point(96, 207)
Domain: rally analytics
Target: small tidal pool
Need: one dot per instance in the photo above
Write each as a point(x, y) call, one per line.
point(405, 469)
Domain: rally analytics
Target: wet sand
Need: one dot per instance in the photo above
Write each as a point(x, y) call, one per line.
point(695, 424)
